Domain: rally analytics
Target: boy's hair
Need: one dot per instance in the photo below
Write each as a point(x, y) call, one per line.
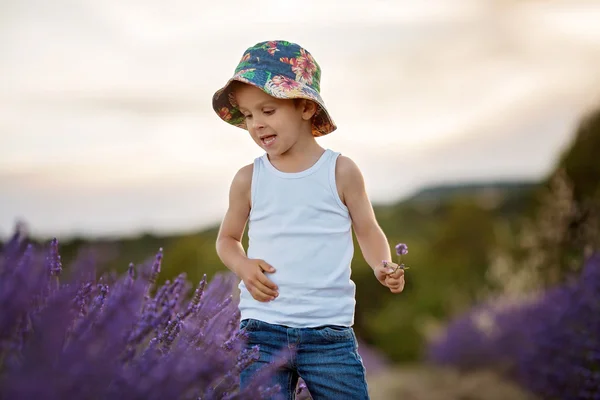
point(283, 70)
point(237, 84)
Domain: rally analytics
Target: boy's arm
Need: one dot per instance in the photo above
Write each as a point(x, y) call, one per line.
point(229, 240)
point(371, 238)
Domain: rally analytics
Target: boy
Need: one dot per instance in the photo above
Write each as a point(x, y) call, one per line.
point(300, 202)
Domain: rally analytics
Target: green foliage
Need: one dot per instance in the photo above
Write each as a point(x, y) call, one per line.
point(449, 245)
point(580, 161)
point(564, 226)
point(193, 254)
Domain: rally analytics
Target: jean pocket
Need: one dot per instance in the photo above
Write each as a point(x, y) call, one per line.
point(335, 333)
point(249, 325)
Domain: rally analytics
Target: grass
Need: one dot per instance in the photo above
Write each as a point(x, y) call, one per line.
point(423, 382)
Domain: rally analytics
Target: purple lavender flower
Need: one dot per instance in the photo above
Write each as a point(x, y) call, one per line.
point(551, 346)
point(112, 337)
point(401, 249)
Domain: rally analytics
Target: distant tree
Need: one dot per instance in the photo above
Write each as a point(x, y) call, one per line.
point(564, 227)
point(581, 161)
point(579, 167)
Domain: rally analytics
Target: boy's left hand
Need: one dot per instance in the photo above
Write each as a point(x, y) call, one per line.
point(386, 275)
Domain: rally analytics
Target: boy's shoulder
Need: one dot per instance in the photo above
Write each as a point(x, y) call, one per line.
point(246, 170)
point(346, 169)
point(243, 177)
point(345, 162)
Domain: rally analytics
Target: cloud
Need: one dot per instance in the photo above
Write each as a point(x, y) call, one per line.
point(102, 96)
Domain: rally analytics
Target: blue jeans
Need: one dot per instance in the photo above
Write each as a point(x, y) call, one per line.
point(326, 358)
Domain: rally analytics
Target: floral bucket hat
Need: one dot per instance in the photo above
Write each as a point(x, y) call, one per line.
point(283, 70)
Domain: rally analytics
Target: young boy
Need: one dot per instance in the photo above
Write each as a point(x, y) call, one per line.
point(300, 202)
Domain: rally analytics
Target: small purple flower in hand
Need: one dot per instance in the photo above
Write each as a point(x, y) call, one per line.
point(390, 276)
point(401, 249)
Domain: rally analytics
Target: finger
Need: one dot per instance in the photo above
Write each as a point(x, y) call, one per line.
point(397, 274)
point(390, 268)
point(266, 282)
point(393, 285)
point(265, 289)
point(385, 270)
point(265, 266)
point(397, 290)
point(390, 281)
point(260, 296)
point(396, 286)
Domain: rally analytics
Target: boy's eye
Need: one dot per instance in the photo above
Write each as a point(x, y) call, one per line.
point(248, 116)
point(269, 112)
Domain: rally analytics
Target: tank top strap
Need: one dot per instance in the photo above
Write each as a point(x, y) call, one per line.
point(331, 166)
point(256, 173)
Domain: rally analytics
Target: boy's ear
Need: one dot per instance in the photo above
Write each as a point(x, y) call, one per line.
point(309, 108)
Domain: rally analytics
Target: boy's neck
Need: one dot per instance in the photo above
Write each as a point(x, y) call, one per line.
point(301, 156)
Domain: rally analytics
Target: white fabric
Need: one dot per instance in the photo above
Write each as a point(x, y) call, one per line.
point(300, 226)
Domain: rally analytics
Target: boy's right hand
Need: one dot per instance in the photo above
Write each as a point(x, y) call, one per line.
point(260, 287)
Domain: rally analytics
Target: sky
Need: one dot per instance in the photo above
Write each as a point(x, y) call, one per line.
point(107, 128)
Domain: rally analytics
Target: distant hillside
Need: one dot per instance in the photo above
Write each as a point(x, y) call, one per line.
point(486, 194)
point(507, 198)
point(444, 192)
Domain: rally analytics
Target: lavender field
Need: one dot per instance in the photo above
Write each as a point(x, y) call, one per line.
point(76, 336)
point(124, 337)
point(114, 337)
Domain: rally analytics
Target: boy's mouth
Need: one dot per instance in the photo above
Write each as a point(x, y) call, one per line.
point(268, 140)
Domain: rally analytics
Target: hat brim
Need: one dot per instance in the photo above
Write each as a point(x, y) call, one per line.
point(279, 87)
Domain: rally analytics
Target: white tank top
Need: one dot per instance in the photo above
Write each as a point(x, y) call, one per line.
point(300, 226)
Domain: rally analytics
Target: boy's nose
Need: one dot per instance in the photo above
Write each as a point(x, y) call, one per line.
point(257, 123)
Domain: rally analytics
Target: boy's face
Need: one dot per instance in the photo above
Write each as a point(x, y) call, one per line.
point(274, 124)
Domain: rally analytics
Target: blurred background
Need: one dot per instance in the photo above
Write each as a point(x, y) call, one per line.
point(475, 123)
